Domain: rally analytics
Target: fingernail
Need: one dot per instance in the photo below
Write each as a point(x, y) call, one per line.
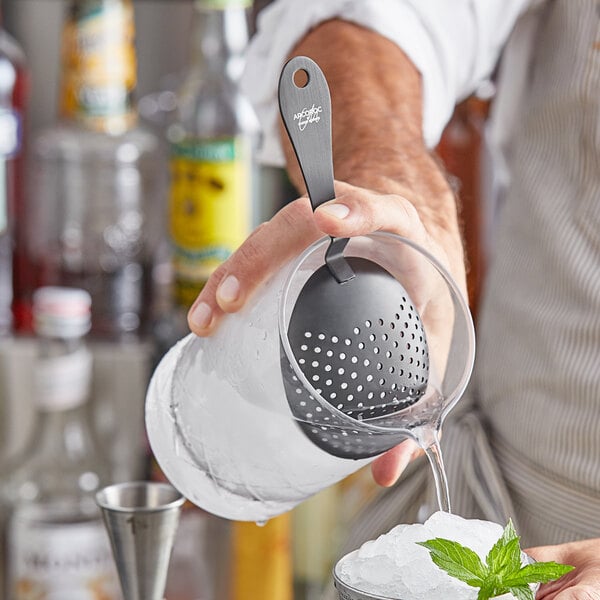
point(229, 289)
point(201, 315)
point(339, 211)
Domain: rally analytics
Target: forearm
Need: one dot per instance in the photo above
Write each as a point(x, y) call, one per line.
point(377, 120)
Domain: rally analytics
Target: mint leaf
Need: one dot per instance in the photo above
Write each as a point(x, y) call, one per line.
point(541, 572)
point(509, 533)
point(484, 594)
point(505, 555)
point(522, 592)
point(488, 589)
point(457, 560)
point(502, 572)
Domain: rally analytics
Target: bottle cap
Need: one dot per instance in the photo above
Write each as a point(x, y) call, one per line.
point(61, 312)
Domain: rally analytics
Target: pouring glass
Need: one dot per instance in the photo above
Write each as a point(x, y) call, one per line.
point(218, 411)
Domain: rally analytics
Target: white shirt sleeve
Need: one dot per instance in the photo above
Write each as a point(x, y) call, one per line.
point(455, 44)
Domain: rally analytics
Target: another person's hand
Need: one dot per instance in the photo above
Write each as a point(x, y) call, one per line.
point(583, 583)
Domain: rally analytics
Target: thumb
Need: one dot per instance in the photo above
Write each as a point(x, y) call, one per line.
point(546, 553)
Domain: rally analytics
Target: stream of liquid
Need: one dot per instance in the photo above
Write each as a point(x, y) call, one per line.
point(429, 439)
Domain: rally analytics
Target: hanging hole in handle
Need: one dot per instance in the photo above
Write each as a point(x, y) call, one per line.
point(300, 78)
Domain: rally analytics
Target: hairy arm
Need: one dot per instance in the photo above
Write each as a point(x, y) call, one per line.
point(377, 127)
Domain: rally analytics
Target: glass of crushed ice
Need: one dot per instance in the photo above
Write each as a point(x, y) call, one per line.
point(395, 567)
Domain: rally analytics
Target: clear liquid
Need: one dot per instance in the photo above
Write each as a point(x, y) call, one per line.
point(429, 440)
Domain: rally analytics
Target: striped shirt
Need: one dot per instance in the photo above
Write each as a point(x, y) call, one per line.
point(525, 440)
point(538, 369)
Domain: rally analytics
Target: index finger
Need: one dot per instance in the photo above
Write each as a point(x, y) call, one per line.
point(267, 249)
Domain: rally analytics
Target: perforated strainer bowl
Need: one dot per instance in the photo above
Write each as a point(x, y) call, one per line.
point(411, 383)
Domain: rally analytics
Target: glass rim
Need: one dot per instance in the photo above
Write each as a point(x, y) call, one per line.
point(108, 497)
point(346, 587)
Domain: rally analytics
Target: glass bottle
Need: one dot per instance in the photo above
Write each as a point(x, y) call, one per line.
point(54, 541)
point(212, 141)
point(95, 208)
point(13, 94)
point(212, 144)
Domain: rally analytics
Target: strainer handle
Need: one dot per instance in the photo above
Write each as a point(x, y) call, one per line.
point(306, 113)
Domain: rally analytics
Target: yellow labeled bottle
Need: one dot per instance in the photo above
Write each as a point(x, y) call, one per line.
point(211, 212)
point(212, 150)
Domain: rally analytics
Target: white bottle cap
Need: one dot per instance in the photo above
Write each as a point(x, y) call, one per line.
point(61, 312)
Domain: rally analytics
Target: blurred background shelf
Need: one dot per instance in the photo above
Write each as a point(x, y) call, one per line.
point(212, 559)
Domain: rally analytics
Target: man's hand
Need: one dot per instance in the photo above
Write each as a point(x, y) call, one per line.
point(583, 583)
point(387, 468)
point(393, 184)
point(355, 211)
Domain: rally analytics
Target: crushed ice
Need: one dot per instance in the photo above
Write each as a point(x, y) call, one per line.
point(394, 566)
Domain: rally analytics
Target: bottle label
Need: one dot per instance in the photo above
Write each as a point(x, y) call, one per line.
point(10, 133)
point(61, 562)
point(210, 208)
point(63, 382)
point(99, 65)
point(223, 4)
point(10, 144)
point(3, 198)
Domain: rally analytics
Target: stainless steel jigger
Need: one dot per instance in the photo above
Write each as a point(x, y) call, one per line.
point(141, 518)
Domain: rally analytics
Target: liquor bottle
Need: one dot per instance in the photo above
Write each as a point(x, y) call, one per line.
point(13, 94)
point(212, 143)
point(95, 210)
point(54, 541)
point(212, 209)
point(315, 535)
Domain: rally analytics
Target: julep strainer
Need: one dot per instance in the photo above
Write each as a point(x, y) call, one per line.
point(354, 331)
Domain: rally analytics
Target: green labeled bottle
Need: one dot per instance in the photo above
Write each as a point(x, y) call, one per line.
point(212, 149)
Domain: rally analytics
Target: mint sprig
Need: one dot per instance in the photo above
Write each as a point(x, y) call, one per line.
point(502, 572)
